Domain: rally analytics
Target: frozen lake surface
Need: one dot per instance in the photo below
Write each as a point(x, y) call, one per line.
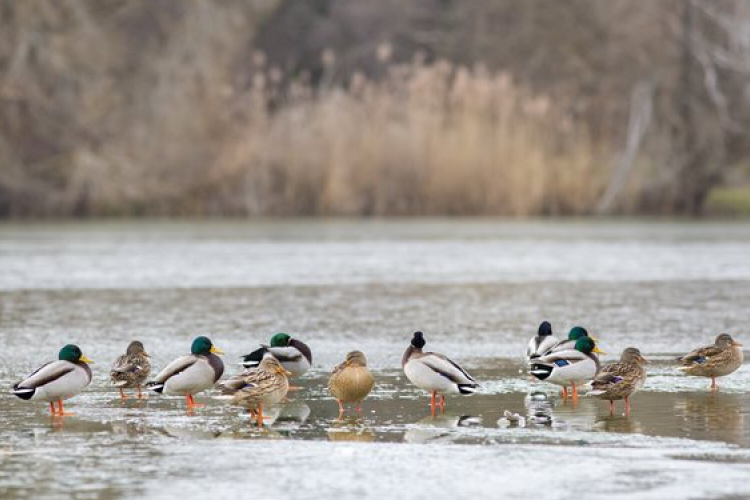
point(477, 288)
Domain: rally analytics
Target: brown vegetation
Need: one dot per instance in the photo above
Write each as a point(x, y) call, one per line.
point(270, 107)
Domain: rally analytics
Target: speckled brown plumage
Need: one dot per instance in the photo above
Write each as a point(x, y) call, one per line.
point(351, 381)
point(619, 380)
point(132, 368)
point(266, 384)
point(717, 360)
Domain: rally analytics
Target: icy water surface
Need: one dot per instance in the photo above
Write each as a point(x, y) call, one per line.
point(477, 288)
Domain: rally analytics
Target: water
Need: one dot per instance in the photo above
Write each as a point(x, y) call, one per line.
point(477, 288)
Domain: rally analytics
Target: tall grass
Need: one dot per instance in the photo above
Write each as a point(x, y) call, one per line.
point(427, 139)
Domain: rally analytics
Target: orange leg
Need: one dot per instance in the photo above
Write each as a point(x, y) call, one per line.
point(122, 394)
point(259, 417)
point(433, 403)
point(611, 407)
point(61, 411)
point(442, 403)
point(565, 392)
point(575, 393)
point(359, 410)
point(140, 394)
point(192, 403)
point(342, 410)
point(713, 383)
point(52, 409)
point(627, 405)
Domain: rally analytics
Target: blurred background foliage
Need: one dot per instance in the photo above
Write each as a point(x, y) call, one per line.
point(355, 107)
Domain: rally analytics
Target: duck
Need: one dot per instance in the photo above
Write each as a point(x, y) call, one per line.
point(351, 381)
point(266, 384)
point(574, 334)
point(131, 369)
point(543, 342)
point(435, 373)
point(717, 360)
point(295, 356)
point(58, 380)
point(572, 367)
point(621, 379)
point(188, 375)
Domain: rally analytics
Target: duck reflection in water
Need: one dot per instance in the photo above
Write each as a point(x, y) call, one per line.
point(441, 428)
point(545, 411)
point(713, 414)
point(350, 429)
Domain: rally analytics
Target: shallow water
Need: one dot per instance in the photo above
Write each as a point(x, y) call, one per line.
point(477, 288)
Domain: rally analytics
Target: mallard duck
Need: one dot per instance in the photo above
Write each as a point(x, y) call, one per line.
point(295, 356)
point(717, 360)
point(569, 343)
point(435, 373)
point(620, 380)
point(351, 381)
point(543, 342)
point(570, 366)
point(266, 384)
point(131, 369)
point(57, 380)
point(191, 374)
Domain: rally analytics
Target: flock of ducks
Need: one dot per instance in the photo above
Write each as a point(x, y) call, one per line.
point(571, 362)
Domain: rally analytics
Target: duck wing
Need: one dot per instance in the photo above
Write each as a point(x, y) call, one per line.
point(568, 356)
point(129, 364)
point(700, 355)
point(45, 374)
point(178, 365)
point(447, 368)
point(237, 382)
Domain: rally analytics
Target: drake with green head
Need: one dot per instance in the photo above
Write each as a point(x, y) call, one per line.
point(294, 355)
point(574, 335)
point(57, 380)
point(191, 374)
point(569, 367)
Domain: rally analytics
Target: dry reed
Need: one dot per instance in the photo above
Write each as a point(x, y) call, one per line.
point(428, 139)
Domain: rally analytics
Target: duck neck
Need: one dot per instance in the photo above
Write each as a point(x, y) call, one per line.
point(410, 351)
point(302, 347)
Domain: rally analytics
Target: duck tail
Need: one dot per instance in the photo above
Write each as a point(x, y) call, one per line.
point(467, 388)
point(254, 358)
point(25, 393)
point(541, 372)
point(157, 387)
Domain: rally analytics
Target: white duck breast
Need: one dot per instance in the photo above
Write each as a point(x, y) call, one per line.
point(291, 359)
point(57, 380)
point(187, 375)
point(432, 372)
